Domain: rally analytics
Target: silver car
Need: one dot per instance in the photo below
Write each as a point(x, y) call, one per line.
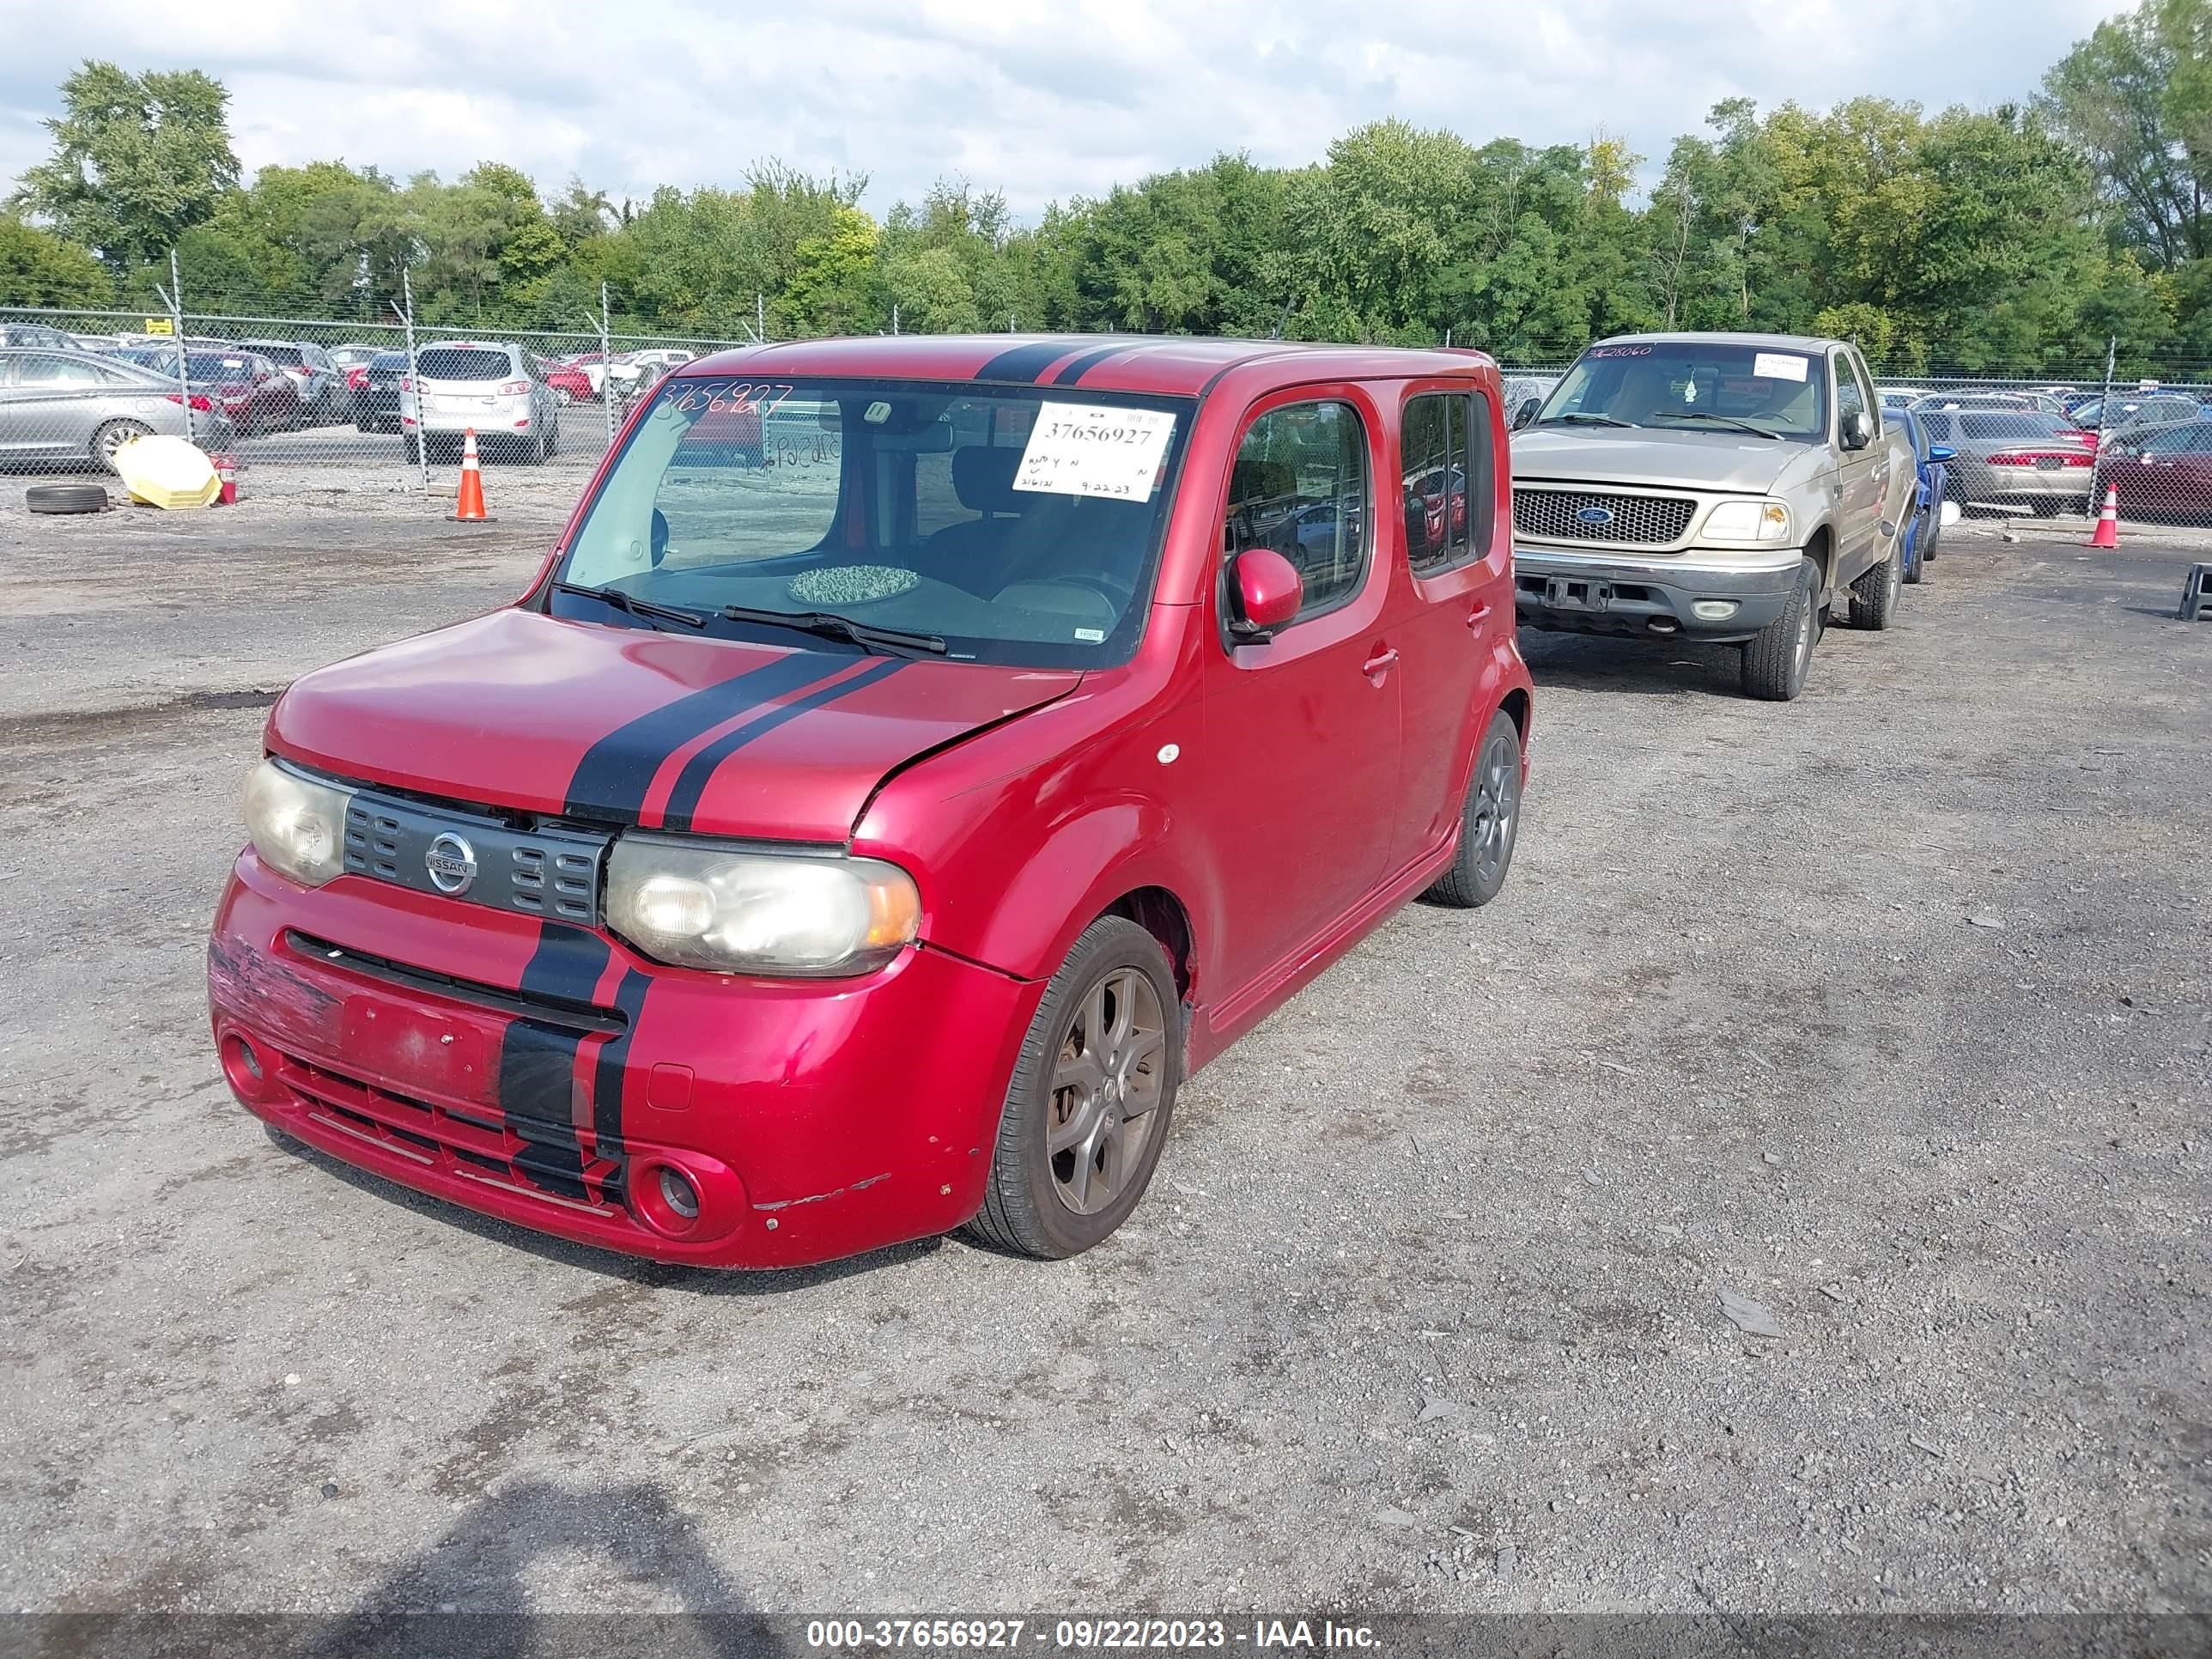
point(62, 409)
point(490, 388)
point(2012, 458)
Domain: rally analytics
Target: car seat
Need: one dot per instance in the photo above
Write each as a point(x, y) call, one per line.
point(972, 553)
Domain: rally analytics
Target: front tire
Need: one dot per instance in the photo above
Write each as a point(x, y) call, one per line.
point(112, 438)
point(1087, 1108)
point(1775, 659)
point(1488, 822)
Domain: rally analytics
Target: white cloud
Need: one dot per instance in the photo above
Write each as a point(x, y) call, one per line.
point(1039, 99)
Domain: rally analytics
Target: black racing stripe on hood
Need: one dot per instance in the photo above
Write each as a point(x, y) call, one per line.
point(1090, 360)
point(699, 770)
point(613, 778)
point(538, 1059)
point(1023, 363)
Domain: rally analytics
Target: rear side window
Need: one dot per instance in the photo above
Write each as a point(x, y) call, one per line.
point(281, 354)
point(465, 363)
point(1300, 486)
point(1450, 500)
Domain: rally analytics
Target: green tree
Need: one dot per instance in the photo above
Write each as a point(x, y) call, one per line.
point(38, 268)
point(137, 160)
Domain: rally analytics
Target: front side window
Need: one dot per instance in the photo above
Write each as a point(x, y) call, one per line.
point(1015, 526)
point(55, 374)
point(1851, 399)
point(1688, 384)
point(1299, 486)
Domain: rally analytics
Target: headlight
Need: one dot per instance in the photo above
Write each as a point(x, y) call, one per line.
point(701, 906)
point(1748, 521)
point(297, 824)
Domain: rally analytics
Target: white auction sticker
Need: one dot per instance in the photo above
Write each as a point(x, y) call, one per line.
point(1094, 449)
point(1778, 366)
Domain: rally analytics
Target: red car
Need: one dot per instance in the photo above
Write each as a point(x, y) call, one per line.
point(864, 840)
point(257, 395)
point(2159, 469)
point(571, 381)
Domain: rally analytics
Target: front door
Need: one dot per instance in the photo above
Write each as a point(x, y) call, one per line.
point(1302, 731)
point(1861, 476)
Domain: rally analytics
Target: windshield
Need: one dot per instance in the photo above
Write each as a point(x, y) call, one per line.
point(278, 353)
point(1687, 384)
point(200, 365)
point(1018, 527)
point(1984, 429)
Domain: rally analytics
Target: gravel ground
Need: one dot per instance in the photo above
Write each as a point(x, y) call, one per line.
point(1886, 1012)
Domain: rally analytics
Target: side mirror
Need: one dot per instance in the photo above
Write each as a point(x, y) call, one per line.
point(1527, 412)
point(1269, 592)
point(1856, 431)
point(1941, 453)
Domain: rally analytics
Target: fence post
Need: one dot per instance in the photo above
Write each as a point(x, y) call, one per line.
point(176, 299)
point(894, 316)
point(760, 316)
point(413, 382)
point(2111, 350)
point(606, 366)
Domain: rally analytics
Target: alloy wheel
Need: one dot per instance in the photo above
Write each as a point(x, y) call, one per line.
point(1495, 810)
point(1106, 1084)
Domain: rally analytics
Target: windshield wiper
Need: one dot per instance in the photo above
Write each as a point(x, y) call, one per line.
point(1727, 420)
point(633, 605)
point(1593, 420)
point(829, 625)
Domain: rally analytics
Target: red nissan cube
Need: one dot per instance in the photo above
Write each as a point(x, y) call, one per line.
point(916, 756)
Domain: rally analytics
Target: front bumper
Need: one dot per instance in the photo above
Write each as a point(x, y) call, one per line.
point(1571, 592)
point(814, 1120)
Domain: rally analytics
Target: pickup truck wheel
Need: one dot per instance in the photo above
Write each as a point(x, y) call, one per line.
point(1875, 596)
point(1488, 822)
point(1776, 659)
point(1087, 1112)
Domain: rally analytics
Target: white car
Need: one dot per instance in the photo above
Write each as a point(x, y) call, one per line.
point(487, 387)
point(647, 368)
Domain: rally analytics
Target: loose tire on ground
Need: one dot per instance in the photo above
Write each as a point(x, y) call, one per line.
point(1029, 1198)
point(66, 498)
point(1875, 595)
point(1489, 821)
point(1775, 661)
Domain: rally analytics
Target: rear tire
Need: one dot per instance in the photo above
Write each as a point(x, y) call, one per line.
point(113, 436)
point(1776, 659)
point(1489, 821)
point(1875, 595)
point(1110, 1014)
point(411, 447)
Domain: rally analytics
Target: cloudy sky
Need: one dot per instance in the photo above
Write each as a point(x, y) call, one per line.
point(1037, 99)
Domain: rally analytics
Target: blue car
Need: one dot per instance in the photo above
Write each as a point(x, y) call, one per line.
point(1925, 529)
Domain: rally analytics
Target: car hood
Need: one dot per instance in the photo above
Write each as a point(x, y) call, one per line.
point(1652, 455)
point(719, 737)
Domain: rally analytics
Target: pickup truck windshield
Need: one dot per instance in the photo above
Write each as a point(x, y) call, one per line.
point(1014, 526)
point(1685, 385)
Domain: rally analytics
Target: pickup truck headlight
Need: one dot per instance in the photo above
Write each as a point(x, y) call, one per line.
point(297, 824)
point(1748, 521)
point(698, 905)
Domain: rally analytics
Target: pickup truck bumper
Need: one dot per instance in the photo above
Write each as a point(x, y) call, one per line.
point(1718, 597)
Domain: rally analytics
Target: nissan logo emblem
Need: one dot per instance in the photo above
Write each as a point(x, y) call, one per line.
point(452, 863)
point(1594, 515)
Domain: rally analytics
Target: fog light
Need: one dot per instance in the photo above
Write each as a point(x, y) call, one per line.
point(678, 1193)
point(1713, 609)
point(243, 1068)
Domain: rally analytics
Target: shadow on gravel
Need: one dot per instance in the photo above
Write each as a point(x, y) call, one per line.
point(1634, 667)
point(651, 1275)
point(467, 1595)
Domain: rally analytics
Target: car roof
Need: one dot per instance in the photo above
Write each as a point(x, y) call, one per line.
point(1691, 336)
point(1173, 365)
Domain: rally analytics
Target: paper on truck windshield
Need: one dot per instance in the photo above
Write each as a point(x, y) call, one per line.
point(1095, 449)
point(1779, 365)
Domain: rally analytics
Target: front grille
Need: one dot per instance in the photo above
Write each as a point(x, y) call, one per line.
point(538, 1160)
point(547, 869)
point(1570, 516)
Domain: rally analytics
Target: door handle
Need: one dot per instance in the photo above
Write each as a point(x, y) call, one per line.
point(1479, 615)
point(1378, 662)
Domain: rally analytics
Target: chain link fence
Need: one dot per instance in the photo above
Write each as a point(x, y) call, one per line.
point(316, 405)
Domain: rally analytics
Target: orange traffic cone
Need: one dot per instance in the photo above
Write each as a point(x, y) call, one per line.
point(2108, 521)
point(469, 508)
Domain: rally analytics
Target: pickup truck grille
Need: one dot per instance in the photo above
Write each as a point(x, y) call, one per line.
point(1574, 515)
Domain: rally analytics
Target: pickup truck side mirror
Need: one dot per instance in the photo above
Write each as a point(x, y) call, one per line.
point(1269, 592)
point(1526, 413)
point(1856, 431)
point(1941, 452)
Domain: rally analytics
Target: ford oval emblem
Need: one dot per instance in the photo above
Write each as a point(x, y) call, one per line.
point(452, 863)
point(1594, 515)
